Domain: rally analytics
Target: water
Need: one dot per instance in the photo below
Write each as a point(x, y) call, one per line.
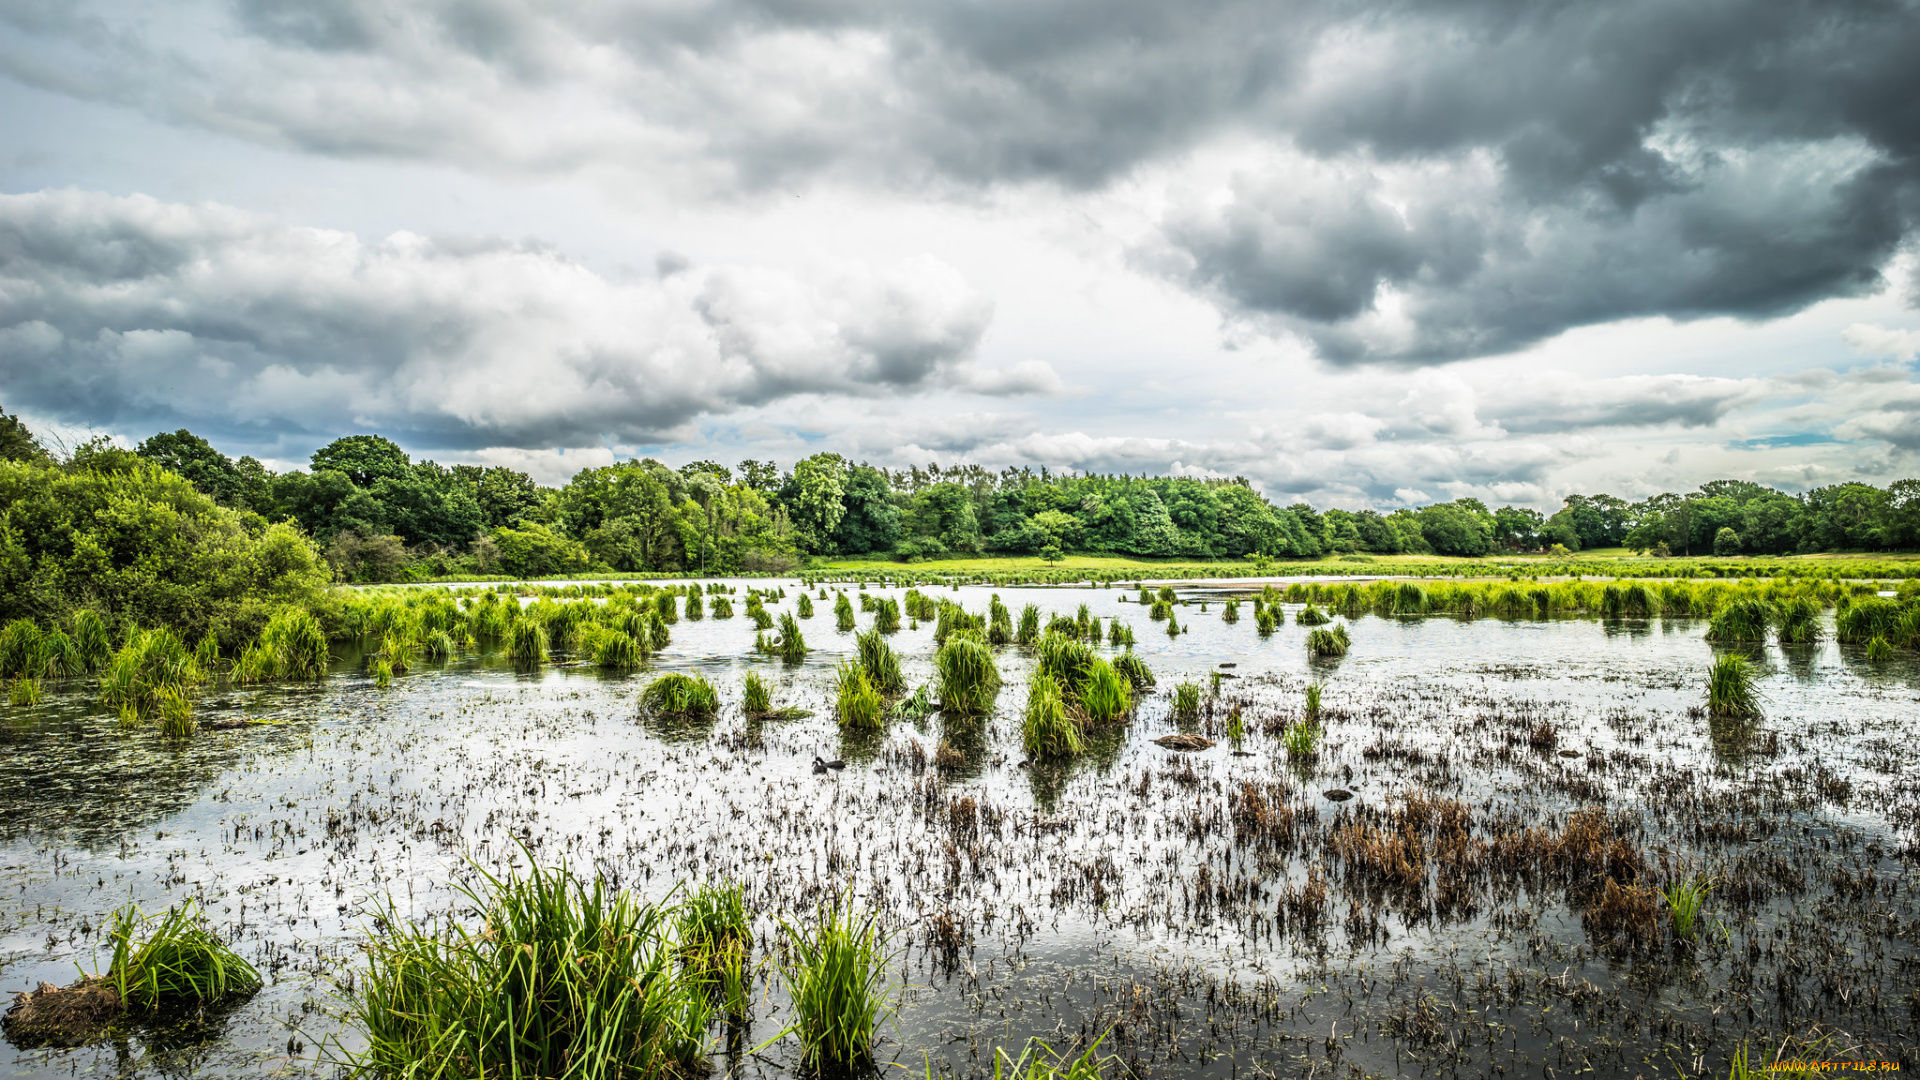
point(1078, 890)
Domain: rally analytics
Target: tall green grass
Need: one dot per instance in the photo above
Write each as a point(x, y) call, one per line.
point(1684, 900)
point(755, 697)
point(1743, 620)
point(1045, 729)
point(1134, 670)
point(1312, 616)
point(805, 606)
point(23, 690)
point(152, 665)
point(675, 694)
point(1106, 695)
point(173, 960)
point(1730, 690)
point(857, 704)
point(843, 618)
point(1029, 632)
point(968, 677)
point(1186, 700)
point(792, 646)
point(562, 980)
point(836, 978)
point(527, 644)
point(878, 661)
point(1325, 641)
point(1039, 1061)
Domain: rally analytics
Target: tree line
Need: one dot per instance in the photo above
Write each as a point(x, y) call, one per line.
point(379, 515)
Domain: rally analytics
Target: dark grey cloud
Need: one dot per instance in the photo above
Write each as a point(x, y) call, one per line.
point(130, 312)
point(1438, 179)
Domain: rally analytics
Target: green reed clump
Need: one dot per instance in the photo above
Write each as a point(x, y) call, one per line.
point(150, 664)
point(756, 699)
point(721, 607)
point(1067, 661)
point(666, 605)
point(1134, 670)
point(792, 646)
point(1106, 695)
point(886, 615)
point(1302, 737)
point(856, 703)
point(1231, 613)
point(1038, 1061)
point(173, 960)
point(1744, 620)
point(1045, 729)
point(843, 618)
point(805, 606)
point(1868, 618)
point(1730, 690)
point(1120, 635)
point(1312, 616)
point(715, 940)
point(675, 694)
point(23, 690)
point(1174, 629)
point(1160, 611)
point(563, 980)
point(1799, 619)
point(173, 709)
point(438, 645)
point(1408, 599)
point(1186, 700)
point(968, 676)
point(1325, 641)
point(1684, 900)
point(836, 978)
point(91, 641)
point(659, 635)
point(1029, 632)
point(878, 661)
point(1264, 621)
point(1311, 708)
point(617, 650)
point(527, 644)
point(1879, 649)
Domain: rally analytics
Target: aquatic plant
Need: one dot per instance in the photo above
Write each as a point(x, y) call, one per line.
point(1231, 613)
point(675, 694)
point(23, 690)
point(1119, 634)
point(1311, 708)
point(836, 978)
point(172, 960)
point(721, 607)
point(665, 606)
point(856, 703)
point(1173, 626)
point(617, 650)
point(563, 975)
point(696, 606)
point(1799, 619)
point(1106, 695)
point(174, 710)
point(878, 661)
point(1186, 700)
point(1684, 899)
point(1744, 620)
point(1879, 649)
point(659, 636)
point(297, 644)
point(149, 664)
point(1730, 690)
point(20, 649)
point(805, 606)
point(1029, 632)
point(1325, 641)
point(1161, 610)
point(1408, 599)
point(968, 677)
point(1134, 670)
point(1312, 616)
point(917, 705)
point(755, 698)
point(527, 644)
point(714, 940)
point(1264, 621)
point(843, 618)
point(1301, 739)
point(91, 641)
point(1045, 729)
point(1067, 661)
point(886, 615)
point(792, 646)
point(438, 645)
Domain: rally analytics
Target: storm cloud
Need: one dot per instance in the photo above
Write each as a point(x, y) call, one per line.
point(127, 310)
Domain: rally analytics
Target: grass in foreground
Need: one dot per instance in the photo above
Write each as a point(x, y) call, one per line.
point(836, 977)
point(173, 960)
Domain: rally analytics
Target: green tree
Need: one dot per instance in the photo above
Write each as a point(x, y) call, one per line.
point(16, 442)
point(812, 497)
point(1457, 528)
point(871, 521)
point(193, 458)
point(538, 551)
point(365, 459)
point(1726, 542)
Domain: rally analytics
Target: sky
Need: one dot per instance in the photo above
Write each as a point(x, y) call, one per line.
point(1367, 253)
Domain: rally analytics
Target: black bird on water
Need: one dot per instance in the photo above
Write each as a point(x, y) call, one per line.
point(820, 767)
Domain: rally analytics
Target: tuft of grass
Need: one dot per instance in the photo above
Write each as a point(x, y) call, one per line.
point(666, 606)
point(527, 644)
point(680, 695)
point(695, 607)
point(836, 978)
point(175, 712)
point(438, 645)
point(1302, 739)
point(150, 664)
point(1231, 613)
point(1325, 641)
point(91, 641)
point(20, 649)
point(792, 646)
point(1045, 729)
point(1684, 901)
point(968, 676)
point(1067, 661)
point(722, 607)
point(564, 979)
point(856, 704)
point(173, 960)
point(805, 606)
point(715, 940)
point(23, 690)
point(1312, 616)
point(843, 619)
point(1186, 700)
point(617, 651)
point(1409, 599)
point(1744, 620)
point(756, 698)
point(1879, 649)
point(886, 615)
point(1029, 632)
point(1730, 690)
point(1106, 695)
point(1264, 621)
point(878, 662)
point(1311, 710)
point(1038, 1061)
point(1135, 670)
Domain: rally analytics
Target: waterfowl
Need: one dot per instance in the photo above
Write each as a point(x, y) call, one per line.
point(820, 766)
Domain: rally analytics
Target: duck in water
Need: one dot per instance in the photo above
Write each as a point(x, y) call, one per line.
point(820, 767)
